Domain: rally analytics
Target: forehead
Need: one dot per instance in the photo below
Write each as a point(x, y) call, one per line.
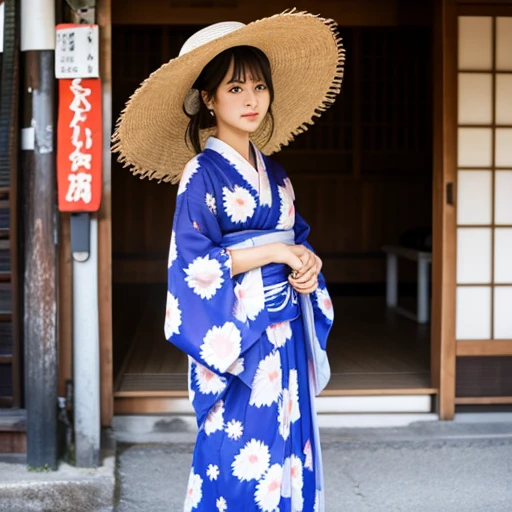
point(242, 72)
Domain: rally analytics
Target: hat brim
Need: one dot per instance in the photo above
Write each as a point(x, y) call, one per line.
point(306, 57)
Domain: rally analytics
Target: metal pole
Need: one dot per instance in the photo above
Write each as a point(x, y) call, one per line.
point(40, 279)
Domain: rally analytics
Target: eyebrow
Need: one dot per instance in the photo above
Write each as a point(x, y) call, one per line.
point(243, 81)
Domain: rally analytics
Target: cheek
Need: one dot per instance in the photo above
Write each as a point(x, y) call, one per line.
point(265, 101)
point(227, 104)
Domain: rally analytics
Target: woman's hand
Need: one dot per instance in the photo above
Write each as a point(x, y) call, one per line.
point(288, 255)
point(305, 280)
point(305, 264)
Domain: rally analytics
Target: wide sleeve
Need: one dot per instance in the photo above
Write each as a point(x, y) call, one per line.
point(321, 300)
point(204, 314)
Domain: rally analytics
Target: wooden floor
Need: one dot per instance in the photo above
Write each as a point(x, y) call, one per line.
point(370, 348)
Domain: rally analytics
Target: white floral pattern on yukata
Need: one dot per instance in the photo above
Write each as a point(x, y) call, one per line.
point(248, 367)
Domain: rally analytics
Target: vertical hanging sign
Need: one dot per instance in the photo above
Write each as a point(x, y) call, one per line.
point(77, 51)
point(80, 149)
point(79, 134)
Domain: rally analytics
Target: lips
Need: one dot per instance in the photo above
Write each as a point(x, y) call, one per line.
point(252, 114)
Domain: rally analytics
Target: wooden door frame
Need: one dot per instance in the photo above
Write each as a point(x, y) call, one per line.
point(104, 19)
point(444, 214)
point(445, 347)
point(443, 344)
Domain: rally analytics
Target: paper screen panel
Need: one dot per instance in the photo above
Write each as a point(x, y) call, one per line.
point(502, 312)
point(475, 98)
point(503, 156)
point(475, 43)
point(473, 313)
point(504, 43)
point(504, 98)
point(475, 147)
point(503, 197)
point(474, 255)
point(503, 257)
point(474, 197)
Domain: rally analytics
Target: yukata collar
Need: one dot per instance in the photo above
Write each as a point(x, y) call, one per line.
point(257, 179)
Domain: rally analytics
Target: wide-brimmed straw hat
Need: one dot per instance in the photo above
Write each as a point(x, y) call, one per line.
point(306, 59)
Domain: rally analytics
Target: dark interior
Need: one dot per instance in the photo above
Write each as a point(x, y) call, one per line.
point(363, 178)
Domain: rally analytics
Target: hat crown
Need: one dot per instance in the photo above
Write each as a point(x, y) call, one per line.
point(208, 34)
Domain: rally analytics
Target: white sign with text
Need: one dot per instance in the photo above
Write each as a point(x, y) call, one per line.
point(77, 51)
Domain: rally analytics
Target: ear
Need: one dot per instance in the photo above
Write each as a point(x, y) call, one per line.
point(204, 97)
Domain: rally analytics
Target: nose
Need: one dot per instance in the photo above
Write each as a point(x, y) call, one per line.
point(251, 99)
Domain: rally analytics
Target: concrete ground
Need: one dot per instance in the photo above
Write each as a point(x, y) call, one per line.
point(425, 467)
point(68, 489)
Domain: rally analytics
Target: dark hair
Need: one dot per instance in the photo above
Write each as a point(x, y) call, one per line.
point(245, 58)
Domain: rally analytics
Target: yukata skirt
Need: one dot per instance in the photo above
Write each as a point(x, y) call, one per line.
point(266, 458)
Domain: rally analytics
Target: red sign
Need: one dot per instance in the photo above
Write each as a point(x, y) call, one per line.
point(79, 145)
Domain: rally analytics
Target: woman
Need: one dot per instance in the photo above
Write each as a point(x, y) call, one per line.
point(246, 300)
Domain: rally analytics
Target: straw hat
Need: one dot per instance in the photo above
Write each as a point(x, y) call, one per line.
point(306, 58)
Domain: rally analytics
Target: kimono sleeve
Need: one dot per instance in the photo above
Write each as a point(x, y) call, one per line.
point(202, 301)
point(321, 300)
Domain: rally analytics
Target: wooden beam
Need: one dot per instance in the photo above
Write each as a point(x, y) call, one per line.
point(158, 402)
point(484, 348)
point(103, 14)
point(151, 394)
point(326, 392)
point(480, 8)
point(346, 12)
point(483, 400)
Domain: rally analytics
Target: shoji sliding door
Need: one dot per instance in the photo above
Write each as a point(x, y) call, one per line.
point(483, 312)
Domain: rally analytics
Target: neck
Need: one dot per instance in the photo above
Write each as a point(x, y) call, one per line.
point(239, 141)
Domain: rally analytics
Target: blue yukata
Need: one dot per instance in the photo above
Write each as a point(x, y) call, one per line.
point(250, 378)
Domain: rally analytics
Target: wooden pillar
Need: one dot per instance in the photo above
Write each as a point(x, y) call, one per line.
point(103, 14)
point(40, 279)
point(444, 222)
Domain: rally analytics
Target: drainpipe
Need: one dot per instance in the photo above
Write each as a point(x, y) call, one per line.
point(86, 358)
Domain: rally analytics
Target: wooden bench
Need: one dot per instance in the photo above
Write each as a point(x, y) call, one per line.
point(423, 259)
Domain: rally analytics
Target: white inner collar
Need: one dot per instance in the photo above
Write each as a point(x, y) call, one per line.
point(247, 171)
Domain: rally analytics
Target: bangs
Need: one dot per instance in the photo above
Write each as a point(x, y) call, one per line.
point(248, 60)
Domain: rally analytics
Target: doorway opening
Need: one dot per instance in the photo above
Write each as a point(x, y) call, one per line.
point(363, 180)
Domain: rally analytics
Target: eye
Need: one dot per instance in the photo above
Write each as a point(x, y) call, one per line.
point(261, 87)
point(235, 89)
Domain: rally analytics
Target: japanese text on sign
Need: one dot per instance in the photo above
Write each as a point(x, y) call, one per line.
point(79, 145)
point(76, 51)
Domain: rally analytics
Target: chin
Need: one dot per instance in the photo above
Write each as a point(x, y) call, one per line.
point(252, 127)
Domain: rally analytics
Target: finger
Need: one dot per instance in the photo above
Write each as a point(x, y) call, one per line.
point(305, 273)
point(308, 262)
point(311, 289)
point(304, 286)
point(307, 276)
point(319, 264)
point(295, 264)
